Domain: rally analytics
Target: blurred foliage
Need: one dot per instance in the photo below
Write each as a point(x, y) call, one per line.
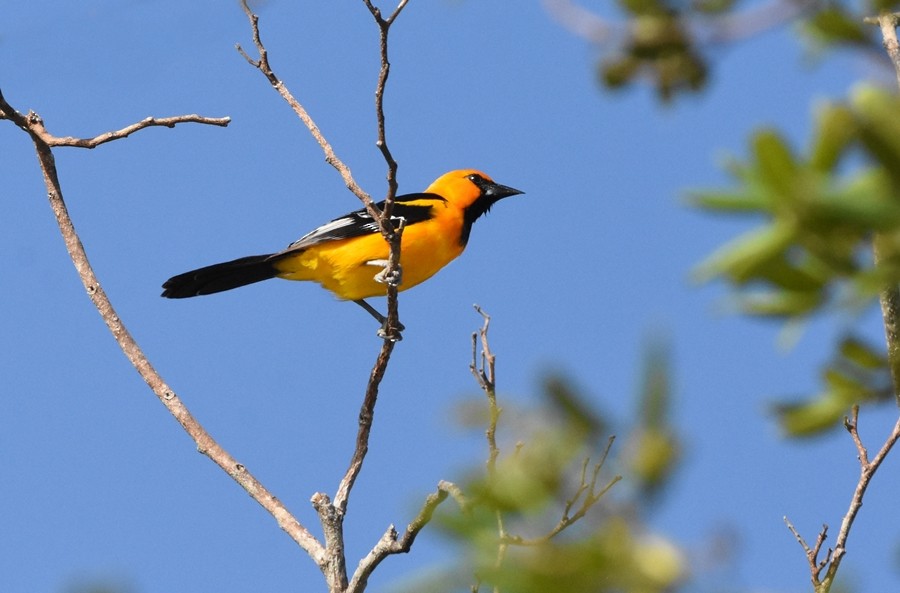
point(652, 449)
point(658, 44)
point(821, 212)
point(858, 374)
point(668, 41)
point(557, 465)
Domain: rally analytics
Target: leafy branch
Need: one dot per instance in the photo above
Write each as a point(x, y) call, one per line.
point(820, 217)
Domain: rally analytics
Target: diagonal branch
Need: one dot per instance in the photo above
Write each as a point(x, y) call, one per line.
point(832, 560)
point(867, 472)
point(390, 233)
point(331, 157)
point(33, 125)
point(390, 543)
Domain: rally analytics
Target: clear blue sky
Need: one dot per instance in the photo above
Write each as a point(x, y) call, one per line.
point(101, 483)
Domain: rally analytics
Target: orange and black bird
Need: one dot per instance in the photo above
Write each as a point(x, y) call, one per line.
point(341, 255)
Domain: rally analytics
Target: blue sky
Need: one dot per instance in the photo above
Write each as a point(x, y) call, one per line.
point(101, 483)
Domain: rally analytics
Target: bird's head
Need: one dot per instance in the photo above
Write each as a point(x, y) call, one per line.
point(471, 190)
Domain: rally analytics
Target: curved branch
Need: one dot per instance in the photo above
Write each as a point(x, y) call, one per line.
point(205, 443)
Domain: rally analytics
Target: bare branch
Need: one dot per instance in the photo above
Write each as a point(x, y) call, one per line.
point(812, 554)
point(390, 544)
point(334, 563)
point(205, 442)
point(34, 125)
point(832, 560)
point(887, 22)
point(262, 64)
point(867, 472)
point(384, 26)
point(390, 233)
point(366, 415)
point(484, 374)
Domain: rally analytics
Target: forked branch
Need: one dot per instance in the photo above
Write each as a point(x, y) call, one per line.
point(832, 559)
point(43, 140)
point(331, 511)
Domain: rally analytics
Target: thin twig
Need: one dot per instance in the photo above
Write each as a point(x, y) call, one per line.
point(484, 374)
point(832, 560)
point(390, 233)
point(390, 543)
point(587, 489)
point(34, 125)
point(205, 443)
point(366, 415)
point(867, 472)
point(262, 64)
point(812, 554)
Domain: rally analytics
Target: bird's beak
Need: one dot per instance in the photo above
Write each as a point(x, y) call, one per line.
point(497, 191)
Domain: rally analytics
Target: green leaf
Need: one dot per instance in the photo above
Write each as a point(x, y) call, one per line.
point(835, 130)
point(813, 417)
point(879, 126)
point(781, 303)
point(728, 202)
point(862, 355)
point(777, 166)
point(833, 24)
point(742, 259)
point(806, 276)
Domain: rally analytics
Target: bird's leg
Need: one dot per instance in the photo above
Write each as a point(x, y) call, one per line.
point(383, 330)
point(394, 278)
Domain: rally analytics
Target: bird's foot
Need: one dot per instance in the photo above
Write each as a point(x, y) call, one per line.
point(391, 334)
point(392, 278)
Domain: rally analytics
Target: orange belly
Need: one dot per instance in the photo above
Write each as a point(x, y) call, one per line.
point(344, 267)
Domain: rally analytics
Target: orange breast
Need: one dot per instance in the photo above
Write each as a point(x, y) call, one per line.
point(343, 266)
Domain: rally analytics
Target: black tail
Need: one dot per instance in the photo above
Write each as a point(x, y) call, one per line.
point(219, 277)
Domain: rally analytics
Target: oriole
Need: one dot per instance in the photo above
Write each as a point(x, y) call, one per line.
point(340, 255)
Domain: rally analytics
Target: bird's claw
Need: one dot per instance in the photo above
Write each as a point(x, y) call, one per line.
point(392, 277)
point(390, 334)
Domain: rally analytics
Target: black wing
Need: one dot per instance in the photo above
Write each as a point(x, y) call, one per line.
point(360, 222)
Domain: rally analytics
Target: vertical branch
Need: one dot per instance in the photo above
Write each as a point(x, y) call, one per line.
point(484, 374)
point(392, 235)
point(890, 295)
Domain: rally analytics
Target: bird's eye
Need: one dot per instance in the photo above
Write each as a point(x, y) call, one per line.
point(474, 178)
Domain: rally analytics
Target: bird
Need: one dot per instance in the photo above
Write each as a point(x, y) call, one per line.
point(340, 255)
